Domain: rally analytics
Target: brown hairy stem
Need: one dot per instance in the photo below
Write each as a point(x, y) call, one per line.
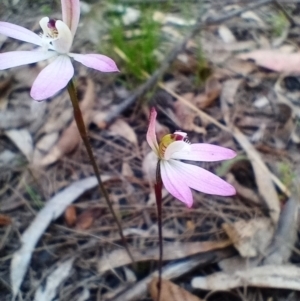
point(84, 136)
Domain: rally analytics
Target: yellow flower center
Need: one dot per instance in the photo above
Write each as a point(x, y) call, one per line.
point(166, 141)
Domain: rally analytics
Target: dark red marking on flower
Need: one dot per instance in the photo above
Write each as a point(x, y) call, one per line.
point(51, 24)
point(178, 137)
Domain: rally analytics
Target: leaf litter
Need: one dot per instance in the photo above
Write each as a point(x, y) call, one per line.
point(248, 101)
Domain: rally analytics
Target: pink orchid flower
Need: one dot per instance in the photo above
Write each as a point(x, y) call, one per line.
point(55, 42)
point(179, 177)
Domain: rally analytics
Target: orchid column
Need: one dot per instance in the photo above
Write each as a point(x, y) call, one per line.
point(54, 43)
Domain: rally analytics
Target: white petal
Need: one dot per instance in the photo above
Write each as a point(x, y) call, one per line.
point(44, 25)
point(176, 147)
point(19, 58)
point(174, 183)
point(19, 33)
point(64, 40)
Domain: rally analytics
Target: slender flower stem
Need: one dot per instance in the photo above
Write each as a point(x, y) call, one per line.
point(84, 136)
point(158, 196)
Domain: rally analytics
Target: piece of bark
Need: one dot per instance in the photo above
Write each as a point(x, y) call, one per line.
point(169, 291)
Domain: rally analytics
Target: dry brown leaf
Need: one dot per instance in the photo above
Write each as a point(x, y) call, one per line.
point(170, 292)
point(212, 91)
point(226, 34)
point(70, 215)
point(23, 140)
point(123, 129)
point(86, 219)
point(251, 238)
point(234, 66)
point(70, 138)
point(275, 60)
point(229, 90)
point(237, 263)
point(99, 119)
point(127, 170)
point(5, 220)
point(286, 233)
point(186, 116)
point(172, 251)
point(263, 177)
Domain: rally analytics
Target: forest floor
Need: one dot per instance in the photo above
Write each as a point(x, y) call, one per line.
point(227, 73)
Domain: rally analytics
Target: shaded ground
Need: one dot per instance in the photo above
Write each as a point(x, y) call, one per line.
point(207, 91)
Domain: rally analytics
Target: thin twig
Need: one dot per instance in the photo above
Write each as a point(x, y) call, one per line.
point(83, 133)
point(152, 81)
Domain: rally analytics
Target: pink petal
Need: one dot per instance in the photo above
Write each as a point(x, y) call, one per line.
point(204, 152)
point(71, 13)
point(52, 78)
point(151, 135)
point(96, 61)
point(172, 180)
point(201, 179)
point(275, 60)
point(18, 58)
point(19, 33)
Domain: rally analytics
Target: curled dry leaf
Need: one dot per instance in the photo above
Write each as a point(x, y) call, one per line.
point(123, 129)
point(70, 138)
point(86, 219)
point(226, 35)
point(127, 170)
point(212, 91)
point(4, 220)
point(23, 140)
point(186, 116)
point(70, 215)
point(229, 90)
point(170, 292)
